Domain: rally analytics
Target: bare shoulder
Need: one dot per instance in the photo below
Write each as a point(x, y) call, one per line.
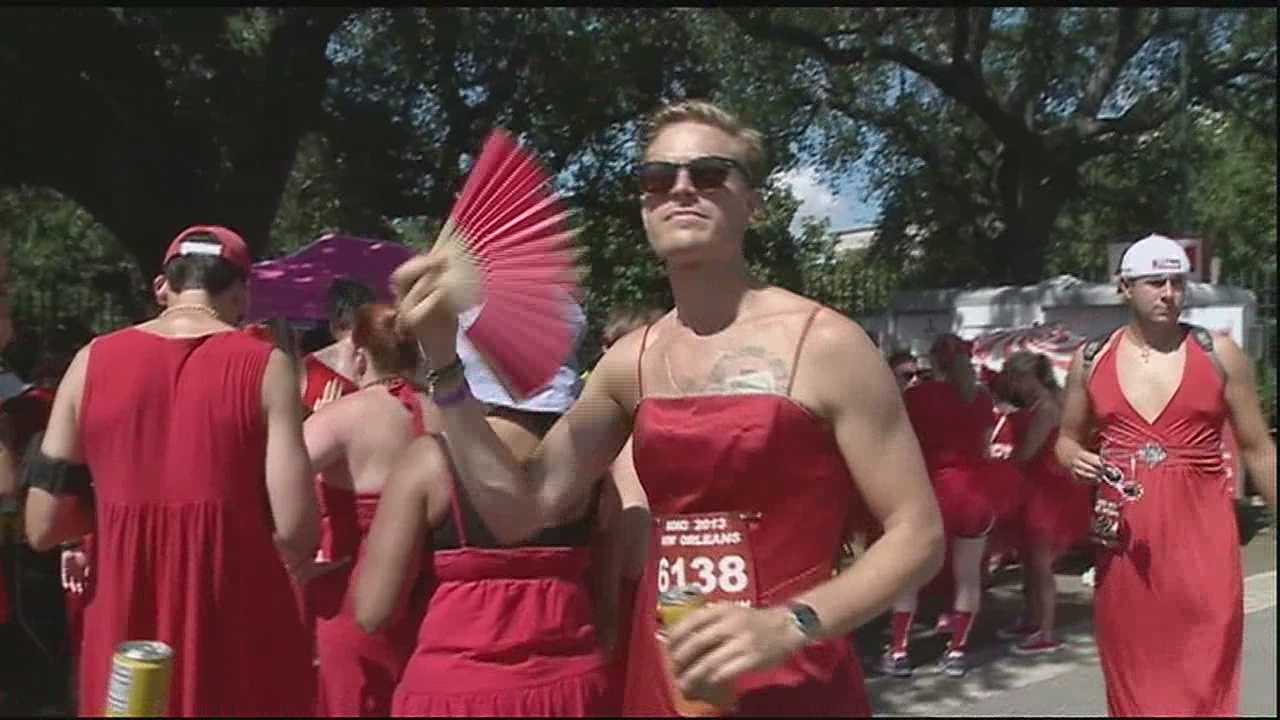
point(840, 366)
point(617, 373)
point(1233, 359)
point(835, 337)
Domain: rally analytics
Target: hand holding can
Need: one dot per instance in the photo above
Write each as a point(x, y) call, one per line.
point(673, 606)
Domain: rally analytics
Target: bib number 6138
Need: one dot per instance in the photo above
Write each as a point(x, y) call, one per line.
point(726, 575)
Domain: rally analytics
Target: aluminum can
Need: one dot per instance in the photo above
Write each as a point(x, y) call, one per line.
point(673, 606)
point(139, 684)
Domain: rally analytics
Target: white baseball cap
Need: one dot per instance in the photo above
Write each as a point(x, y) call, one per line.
point(1154, 255)
point(556, 397)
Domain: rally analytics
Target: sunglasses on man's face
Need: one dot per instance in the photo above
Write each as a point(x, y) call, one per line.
point(706, 173)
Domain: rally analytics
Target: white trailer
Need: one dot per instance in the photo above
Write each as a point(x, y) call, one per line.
point(1084, 308)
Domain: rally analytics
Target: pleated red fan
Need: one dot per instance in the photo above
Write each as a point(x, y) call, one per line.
point(513, 230)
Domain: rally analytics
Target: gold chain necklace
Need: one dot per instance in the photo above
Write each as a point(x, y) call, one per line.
point(191, 307)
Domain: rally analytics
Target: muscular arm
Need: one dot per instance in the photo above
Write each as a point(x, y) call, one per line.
point(1076, 428)
point(52, 519)
point(516, 502)
point(399, 529)
point(876, 439)
point(1256, 448)
point(289, 490)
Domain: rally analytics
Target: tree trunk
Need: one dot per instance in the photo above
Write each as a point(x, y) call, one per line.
point(1034, 186)
point(102, 124)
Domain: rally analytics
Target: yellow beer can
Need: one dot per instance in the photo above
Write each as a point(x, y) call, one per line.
point(673, 606)
point(139, 683)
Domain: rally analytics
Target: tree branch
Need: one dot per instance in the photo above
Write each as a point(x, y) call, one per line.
point(959, 35)
point(1124, 43)
point(959, 83)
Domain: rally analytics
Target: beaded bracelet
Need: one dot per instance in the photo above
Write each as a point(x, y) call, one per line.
point(462, 392)
point(442, 375)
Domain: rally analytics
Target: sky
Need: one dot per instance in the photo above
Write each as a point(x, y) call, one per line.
point(844, 206)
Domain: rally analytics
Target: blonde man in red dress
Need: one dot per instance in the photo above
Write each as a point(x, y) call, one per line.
point(765, 427)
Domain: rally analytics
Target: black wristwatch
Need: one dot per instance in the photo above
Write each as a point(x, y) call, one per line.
point(806, 620)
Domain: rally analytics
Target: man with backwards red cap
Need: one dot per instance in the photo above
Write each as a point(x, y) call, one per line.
point(1168, 609)
point(191, 432)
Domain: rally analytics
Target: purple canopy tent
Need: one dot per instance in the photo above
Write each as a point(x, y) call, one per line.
point(294, 287)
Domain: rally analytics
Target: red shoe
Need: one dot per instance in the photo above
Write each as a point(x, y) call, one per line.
point(1037, 644)
point(1017, 631)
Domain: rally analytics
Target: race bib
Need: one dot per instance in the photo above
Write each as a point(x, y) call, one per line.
point(710, 552)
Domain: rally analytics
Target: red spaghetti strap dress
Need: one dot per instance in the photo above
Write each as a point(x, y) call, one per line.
point(972, 491)
point(1058, 509)
point(751, 498)
point(507, 631)
point(1169, 605)
point(174, 435)
point(358, 670)
point(318, 375)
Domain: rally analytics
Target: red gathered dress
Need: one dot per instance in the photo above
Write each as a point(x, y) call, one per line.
point(973, 491)
point(506, 631)
point(358, 671)
point(764, 479)
point(174, 435)
point(1058, 509)
point(1169, 605)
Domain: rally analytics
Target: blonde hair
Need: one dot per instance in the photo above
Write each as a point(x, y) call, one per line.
point(707, 113)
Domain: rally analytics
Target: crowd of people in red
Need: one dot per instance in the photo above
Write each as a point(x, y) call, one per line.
point(378, 527)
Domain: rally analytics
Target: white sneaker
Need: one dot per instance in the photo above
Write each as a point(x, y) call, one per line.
point(1088, 578)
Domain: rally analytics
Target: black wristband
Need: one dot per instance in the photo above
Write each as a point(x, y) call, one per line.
point(441, 376)
point(58, 477)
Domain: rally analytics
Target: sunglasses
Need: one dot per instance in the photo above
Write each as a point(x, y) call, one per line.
point(706, 173)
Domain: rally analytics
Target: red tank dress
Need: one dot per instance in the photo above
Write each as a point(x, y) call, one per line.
point(1169, 605)
point(507, 631)
point(765, 471)
point(972, 491)
point(174, 436)
point(1058, 509)
point(318, 375)
point(358, 670)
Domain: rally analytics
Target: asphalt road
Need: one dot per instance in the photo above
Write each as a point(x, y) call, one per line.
point(1069, 682)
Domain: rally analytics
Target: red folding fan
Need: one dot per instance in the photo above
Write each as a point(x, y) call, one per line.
point(514, 231)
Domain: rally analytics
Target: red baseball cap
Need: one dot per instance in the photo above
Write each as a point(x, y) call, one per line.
point(211, 240)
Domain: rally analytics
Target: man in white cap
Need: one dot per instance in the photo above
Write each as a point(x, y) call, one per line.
point(1168, 608)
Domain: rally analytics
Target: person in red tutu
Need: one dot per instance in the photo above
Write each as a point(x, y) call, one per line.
point(764, 427)
point(192, 435)
point(506, 629)
point(328, 373)
point(1144, 407)
point(1057, 511)
point(953, 417)
point(354, 442)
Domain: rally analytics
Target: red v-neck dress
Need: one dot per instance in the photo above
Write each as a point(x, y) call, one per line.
point(1168, 608)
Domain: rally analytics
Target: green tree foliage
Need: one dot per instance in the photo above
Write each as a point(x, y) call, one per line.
point(1044, 91)
point(152, 119)
point(69, 277)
